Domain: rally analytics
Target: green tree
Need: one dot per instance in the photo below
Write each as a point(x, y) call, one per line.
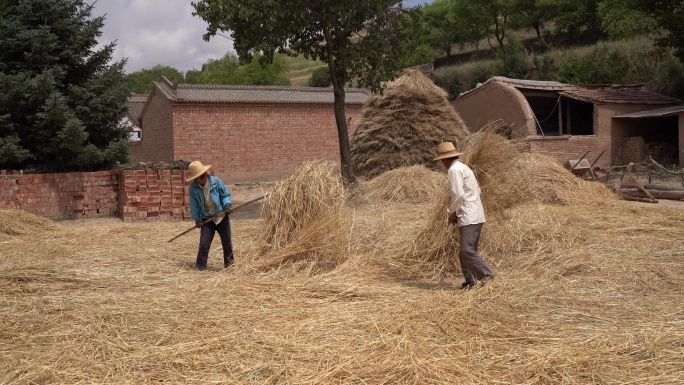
point(669, 16)
point(443, 30)
point(193, 76)
point(601, 66)
point(577, 19)
point(320, 77)
point(61, 102)
point(140, 82)
point(487, 18)
point(535, 14)
point(229, 70)
point(259, 73)
point(358, 40)
point(417, 46)
point(220, 71)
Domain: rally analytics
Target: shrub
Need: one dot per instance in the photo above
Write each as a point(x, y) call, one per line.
point(601, 66)
point(320, 77)
point(512, 63)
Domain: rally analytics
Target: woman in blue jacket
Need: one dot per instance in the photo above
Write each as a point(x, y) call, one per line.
point(208, 197)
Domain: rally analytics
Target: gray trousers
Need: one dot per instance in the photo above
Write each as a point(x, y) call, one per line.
point(473, 266)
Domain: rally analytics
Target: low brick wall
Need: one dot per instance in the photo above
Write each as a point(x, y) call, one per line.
point(61, 196)
point(153, 195)
point(132, 195)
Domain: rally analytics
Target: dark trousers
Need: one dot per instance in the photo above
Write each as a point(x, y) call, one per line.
point(207, 236)
point(473, 266)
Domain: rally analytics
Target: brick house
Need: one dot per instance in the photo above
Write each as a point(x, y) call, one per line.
point(245, 132)
point(621, 124)
point(134, 106)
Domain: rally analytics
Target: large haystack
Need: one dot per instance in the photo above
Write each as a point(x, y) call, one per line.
point(403, 126)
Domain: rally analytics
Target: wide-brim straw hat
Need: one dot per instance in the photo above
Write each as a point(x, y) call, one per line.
point(196, 169)
point(447, 150)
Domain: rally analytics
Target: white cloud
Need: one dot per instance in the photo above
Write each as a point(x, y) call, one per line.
point(151, 32)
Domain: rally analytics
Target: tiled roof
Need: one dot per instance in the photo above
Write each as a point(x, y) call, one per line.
point(524, 84)
point(533, 84)
point(621, 95)
point(656, 113)
point(135, 106)
point(201, 93)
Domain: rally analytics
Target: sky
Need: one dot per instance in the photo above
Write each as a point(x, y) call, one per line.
point(164, 32)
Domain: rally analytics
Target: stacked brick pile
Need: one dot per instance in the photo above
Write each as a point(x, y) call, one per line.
point(153, 195)
point(61, 196)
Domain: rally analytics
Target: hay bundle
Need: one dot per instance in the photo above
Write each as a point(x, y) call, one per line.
point(508, 178)
point(434, 251)
point(20, 222)
point(406, 184)
point(494, 160)
point(302, 219)
point(403, 126)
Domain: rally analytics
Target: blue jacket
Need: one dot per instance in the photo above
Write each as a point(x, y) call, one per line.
point(218, 192)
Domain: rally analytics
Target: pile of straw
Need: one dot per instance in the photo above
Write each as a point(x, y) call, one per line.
point(406, 184)
point(508, 178)
point(302, 220)
point(403, 127)
point(584, 294)
point(19, 222)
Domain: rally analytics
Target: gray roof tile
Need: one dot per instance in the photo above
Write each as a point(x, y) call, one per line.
point(202, 93)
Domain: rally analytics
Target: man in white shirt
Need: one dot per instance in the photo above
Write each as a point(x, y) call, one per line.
point(467, 212)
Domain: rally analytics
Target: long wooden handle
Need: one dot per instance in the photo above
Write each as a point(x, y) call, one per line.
point(216, 216)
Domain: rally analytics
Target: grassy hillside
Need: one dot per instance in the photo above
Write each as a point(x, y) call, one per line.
point(301, 69)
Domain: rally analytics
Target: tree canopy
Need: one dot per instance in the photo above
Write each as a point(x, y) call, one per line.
point(61, 101)
point(229, 70)
point(140, 82)
point(358, 40)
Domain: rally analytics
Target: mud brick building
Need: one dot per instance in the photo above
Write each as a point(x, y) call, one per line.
point(245, 132)
point(612, 124)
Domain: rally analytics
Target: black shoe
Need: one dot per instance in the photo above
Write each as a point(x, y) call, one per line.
point(227, 264)
point(200, 268)
point(467, 285)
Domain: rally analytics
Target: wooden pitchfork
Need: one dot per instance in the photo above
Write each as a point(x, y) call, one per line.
point(232, 209)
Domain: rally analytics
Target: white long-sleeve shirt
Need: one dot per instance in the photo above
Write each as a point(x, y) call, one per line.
point(465, 195)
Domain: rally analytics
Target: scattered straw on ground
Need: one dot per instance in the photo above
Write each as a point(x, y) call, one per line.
point(587, 292)
point(403, 126)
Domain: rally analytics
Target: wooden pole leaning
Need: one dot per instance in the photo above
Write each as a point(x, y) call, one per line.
point(216, 216)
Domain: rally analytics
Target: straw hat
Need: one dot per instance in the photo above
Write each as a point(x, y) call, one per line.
point(447, 150)
point(196, 169)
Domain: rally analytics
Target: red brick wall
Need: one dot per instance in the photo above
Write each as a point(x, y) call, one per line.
point(633, 150)
point(157, 141)
point(145, 195)
point(132, 195)
point(61, 196)
point(564, 148)
point(255, 142)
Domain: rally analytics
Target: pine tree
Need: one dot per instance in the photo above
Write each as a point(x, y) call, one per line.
point(61, 101)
